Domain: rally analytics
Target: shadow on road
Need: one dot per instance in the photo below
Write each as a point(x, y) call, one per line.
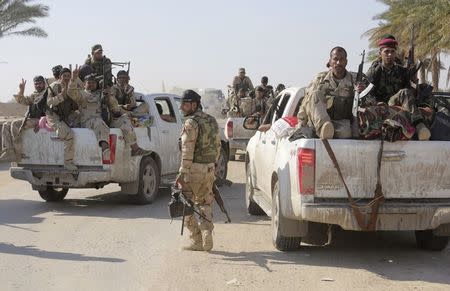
point(391, 255)
point(38, 253)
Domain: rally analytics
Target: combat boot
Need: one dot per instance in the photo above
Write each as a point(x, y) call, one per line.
point(327, 130)
point(196, 243)
point(423, 133)
point(207, 240)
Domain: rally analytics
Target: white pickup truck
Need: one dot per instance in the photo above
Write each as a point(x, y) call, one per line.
point(138, 176)
point(296, 183)
point(236, 135)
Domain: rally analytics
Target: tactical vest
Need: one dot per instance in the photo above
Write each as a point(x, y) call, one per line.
point(65, 108)
point(39, 106)
point(342, 102)
point(205, 147)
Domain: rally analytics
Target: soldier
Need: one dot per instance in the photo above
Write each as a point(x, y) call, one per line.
point(260, 103)
point(123, 92)
point(234, 103)
point(280, 87)
point(62, 113)
point(241, 81)
point(101, 65)
point(268, 90)
point(200, 147)
point(327, 105)
point(392, 85)
point(37, 105)
point(56, 71)
point(89, 101)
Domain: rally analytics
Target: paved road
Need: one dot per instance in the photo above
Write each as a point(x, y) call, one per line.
point(95, 240)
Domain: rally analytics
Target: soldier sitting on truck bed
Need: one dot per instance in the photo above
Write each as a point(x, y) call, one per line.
point(392, 84)
point(327, 105)
point(89, 101)
point(11, 134)
point(63, 113)
point(125, 97)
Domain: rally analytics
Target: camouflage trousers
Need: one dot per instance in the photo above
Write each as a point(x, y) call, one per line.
point(124, 123)
point(64, 133)
point(406, 100)
point(313, 112)
point(198, 187)
point(11, 138)
point(101, 130)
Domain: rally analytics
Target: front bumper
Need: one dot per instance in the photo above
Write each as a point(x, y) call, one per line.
point(391, 215)
point(42, 178)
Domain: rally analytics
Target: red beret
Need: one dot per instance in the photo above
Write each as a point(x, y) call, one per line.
point(388, 42)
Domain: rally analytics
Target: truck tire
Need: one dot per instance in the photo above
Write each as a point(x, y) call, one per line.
point(52, 194)
point(222, 166)
point(252, 207)
point(149, 179)
point(281, 242)
point(426, 240)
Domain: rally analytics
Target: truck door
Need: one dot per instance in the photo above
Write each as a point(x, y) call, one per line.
point(169, 125)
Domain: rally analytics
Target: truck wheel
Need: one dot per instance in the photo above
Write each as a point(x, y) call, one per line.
point(281, 242)
point(222, 167)
point(252, 207)
point(52, 194)
point(426, 240)
point(148, 181)
point(232, 156)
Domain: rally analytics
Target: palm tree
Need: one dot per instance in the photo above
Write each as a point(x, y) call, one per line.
point(15, 13)
point(432, 31)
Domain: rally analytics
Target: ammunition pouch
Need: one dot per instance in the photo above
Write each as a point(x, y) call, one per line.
point(339, 107)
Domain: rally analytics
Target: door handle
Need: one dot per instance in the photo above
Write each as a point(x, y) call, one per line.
point(272, 142)
point(393, 156)
point(164, 131)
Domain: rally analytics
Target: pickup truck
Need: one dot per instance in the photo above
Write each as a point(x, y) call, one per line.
point(236, 135)
point(296, 183)
point(139, 176)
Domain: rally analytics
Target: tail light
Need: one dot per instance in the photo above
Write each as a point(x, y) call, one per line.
point(112, 148)
point(230, 129)
point(306, 171)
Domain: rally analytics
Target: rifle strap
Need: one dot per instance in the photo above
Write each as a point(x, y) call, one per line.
point(378, 195)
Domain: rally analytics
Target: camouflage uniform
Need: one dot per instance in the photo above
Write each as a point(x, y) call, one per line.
point(89, 103)
point(101, 68)
point(244, 83)
point(392, 86)
point(11, 137)
point(121, 120)
point(200, 148)
point(234, 106)
point(61, 115)
point(329, 99)
point(125, 95)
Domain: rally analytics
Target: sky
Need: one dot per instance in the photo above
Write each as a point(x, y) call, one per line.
point(195, 43)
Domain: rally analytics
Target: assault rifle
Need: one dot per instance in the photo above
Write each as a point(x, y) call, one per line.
point(219, 199)
point(410, 63)
point(358, 80)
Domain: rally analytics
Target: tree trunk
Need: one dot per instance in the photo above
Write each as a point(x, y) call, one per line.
point(435, 70)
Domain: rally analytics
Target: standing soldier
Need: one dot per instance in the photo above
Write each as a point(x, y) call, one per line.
point(62, 114)
point(37, 105)
point(328, 102)
point(392, 84)
point(241, 81)
point(101, 65)
point(200, 148)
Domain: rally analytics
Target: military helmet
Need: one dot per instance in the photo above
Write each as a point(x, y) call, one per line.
point(97, 48)
point(190, 96)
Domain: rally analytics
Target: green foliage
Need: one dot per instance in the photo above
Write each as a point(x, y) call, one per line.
point(14, 14)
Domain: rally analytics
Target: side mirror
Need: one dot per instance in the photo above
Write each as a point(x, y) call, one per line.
point(252, 122)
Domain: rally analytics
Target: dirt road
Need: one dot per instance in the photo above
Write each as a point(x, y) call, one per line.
point(95, 240)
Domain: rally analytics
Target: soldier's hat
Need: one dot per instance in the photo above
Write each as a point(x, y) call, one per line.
point(97, 48)
point(264, 79)
point(241, 70)
point(57, 69)
point(388, 40)
point(189, 96)
point(38, 79)
point(122, 73)
point(65, 70)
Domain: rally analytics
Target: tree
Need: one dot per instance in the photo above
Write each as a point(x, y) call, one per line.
point(432, 30)
point(16, 13)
